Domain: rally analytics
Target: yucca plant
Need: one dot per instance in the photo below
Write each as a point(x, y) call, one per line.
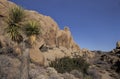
point(16, 15)
point(13, 32)
point(32, 30)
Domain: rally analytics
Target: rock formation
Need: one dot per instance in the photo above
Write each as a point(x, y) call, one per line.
point(51, 39)
point(64, 38)
point(36, 56)
point(23, 61)
point(9, 67)
point(118, 45)
point(51, 36)
point(108, 62)
point(20, 61)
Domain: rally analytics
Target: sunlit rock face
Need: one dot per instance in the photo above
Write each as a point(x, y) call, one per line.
point(118, 45)
point(51, 36)
point(52, 43)
point(50, 31)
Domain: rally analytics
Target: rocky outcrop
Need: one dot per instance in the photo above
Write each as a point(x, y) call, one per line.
point(22, 61)
point(111, 57)
point(63, 38)
point(4, 7)
point(48, 26)
point(3, 42)
point(50, 31)
point(51, 36)
point(56, 53)
point(37, 72)
point(36, 56)
point(118, 45)
point(9, 67)
point(108, 62)
point(87, 53)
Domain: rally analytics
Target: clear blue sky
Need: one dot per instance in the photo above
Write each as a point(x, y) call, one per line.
point(95, 24)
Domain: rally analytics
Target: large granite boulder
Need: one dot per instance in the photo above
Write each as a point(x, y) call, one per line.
point(36, 56)
point(50, 31)
point(118, 45)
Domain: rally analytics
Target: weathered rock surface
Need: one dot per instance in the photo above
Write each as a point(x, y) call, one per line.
point(56, 53)
point(36, 56)
point(9, 67)
point(52, 43)
point(37, 72)
point(118, 45)
point(50, 31)
point(51, 36)
point(108, 63)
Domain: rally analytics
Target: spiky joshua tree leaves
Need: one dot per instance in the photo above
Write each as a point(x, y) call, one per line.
point(32, 30)
point(13, 32)
point(15, 17)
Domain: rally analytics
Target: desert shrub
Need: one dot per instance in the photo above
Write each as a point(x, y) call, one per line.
point(67, 64)
point(116, 66)
point(16, 15)
point(32, 30)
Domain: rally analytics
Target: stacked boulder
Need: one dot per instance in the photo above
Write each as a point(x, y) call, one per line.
point(113, 58)
point(52, 43)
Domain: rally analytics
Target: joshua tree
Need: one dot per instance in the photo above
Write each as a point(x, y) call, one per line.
point(14, 23)
point(14, 33)
point(16, 15)
point(32, 30)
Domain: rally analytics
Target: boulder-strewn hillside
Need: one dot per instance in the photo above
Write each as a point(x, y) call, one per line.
point(108, 62)
point(29, 58)
point(50, 44)
point(50, 30)
point(26, 57)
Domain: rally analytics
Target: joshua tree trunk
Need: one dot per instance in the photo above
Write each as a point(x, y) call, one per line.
point(32, 39)
point(25, 65)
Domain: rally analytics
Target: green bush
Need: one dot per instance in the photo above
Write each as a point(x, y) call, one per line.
point(16, 15)
point(116, 66)
point(67, 64)
point(32, 28)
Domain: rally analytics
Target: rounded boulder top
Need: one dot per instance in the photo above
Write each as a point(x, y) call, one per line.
point(118, 44)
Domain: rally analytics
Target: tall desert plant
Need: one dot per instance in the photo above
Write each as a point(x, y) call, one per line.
point(13, 32)
point(32, 30)
point(15, 17)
